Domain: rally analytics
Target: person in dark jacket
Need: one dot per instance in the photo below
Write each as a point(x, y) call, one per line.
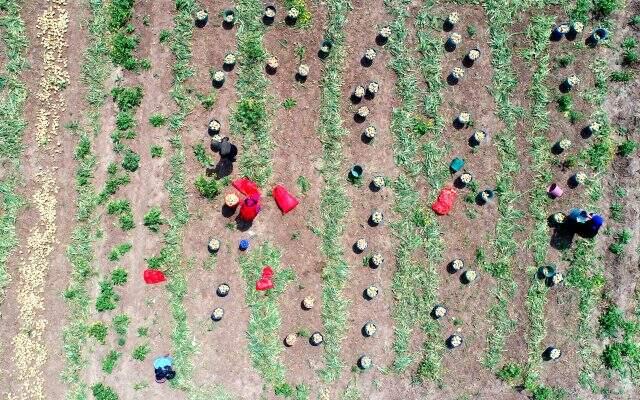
point(228, 152)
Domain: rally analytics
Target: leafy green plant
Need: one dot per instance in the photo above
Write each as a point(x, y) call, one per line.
point(164, 35)
point(157, 120)
point(119, 276)
point(635, 20)
point(99, 332)
point(617, 212)
point(289, 103)
point(143, 331)
point(471, 30)
point(303, 184)
point(621, 76)
point(201, 155)
point(103, 392)
point(110, 360)
point(156, 151)
point(627, 147)
point(127, 98)
point(121, 324)
point(509, 372)
point(565, 103)
point(606, 7)
point(611, 321)
point(107, 297)
point(208, 188)
point(153, 219)
point(622, 239)
point(141, 352)
point(565, 60)
point(131, 161)
point(118, 251)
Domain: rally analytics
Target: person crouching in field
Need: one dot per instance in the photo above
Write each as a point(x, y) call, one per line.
point(584, 223)
point(163, 367)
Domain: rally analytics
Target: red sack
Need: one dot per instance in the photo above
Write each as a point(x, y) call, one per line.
point(152, 276)
point(246, 187)
point(445, 200)
point(249, 209)
point(285, 201)
point(264, 284)
point(267, 272)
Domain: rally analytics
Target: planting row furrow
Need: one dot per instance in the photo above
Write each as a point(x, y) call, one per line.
point(81, 251)
point(12, 125)
point(431, 49)
point(30, 349)
point(264, 343)
point(414, 284)
point(538, 33)
point(334, 203)
point(250, 119)
point(501, 15)
point(586, 266)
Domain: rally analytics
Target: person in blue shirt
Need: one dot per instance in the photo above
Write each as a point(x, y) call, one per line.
point(584, 223)
point(163, 367)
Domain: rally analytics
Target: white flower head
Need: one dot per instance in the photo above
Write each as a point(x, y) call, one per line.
point(361, 244)
point(457, 73)
point(303, 70)
point(377, 259)
point(363, 111)
point(385, 32)
point(202, 14)
point(466, 178)
point(218, 76)
point(370, 131)
point(293, 13)
point(474, 54)
point(370, 54)
point(272, 62)
point(230, 59)
point(455, 38)
point(453, 18)
point(457, 264)
point(358, 91)
point(377, 217)
point(373, 87)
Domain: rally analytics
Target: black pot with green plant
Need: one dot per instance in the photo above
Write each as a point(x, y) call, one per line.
point(325, 48)
point(269, 15)
point(201, 18)
point(228, 19)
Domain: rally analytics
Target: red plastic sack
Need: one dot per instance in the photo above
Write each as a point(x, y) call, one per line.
point(285, 201)
point(445, 200)
point(152, 276)
point(267, 272)
point(265, 281)
point(246, 187)
point(249, 208)
point(264, 284)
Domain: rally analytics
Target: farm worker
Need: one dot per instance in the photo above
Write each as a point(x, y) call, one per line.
point(228, 152)
point(163, 367)
point(249, 208)
point(584, 223)
point(592, 226)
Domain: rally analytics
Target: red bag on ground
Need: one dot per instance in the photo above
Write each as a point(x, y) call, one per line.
point(267, 272)
point(445, 200)
point(246, 187)
point(264, 284)
point(249, 208)
point(285, 201)
point(152, 276)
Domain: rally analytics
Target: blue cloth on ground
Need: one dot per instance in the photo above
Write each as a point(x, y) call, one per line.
point(161, 362)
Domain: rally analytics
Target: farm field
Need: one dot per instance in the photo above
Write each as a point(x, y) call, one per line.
point(447, 199)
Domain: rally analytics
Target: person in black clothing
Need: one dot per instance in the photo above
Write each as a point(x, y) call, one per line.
point(228, 152)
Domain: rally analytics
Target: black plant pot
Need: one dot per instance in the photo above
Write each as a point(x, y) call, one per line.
point(381, 40)
point(201, 23)
point(267, 20)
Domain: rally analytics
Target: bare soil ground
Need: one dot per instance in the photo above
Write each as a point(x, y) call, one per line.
point(223, 357)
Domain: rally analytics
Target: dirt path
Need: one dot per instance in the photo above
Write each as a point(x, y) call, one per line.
point(145, 305)
point(224, 355)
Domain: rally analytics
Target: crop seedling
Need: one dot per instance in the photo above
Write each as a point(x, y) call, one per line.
point(120, 250)
point(110, 360)
point(119, 276)
point(303, 184)
point(156, 151)
point(141, 352)
point(153, 219)
point(99, 332)
point(289, 103)
point(157, 120)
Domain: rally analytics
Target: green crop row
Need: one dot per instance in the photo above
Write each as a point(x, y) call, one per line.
point(12, 125)
point(95, 69)
point(264, 323)
point(333, 202)
point(501, 15)
point(538, 57)
point(250, 119)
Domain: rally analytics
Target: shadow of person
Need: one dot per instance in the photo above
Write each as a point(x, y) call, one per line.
point(243, 225)
point(224, 167)
point(227, 211)
point(562, 238)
